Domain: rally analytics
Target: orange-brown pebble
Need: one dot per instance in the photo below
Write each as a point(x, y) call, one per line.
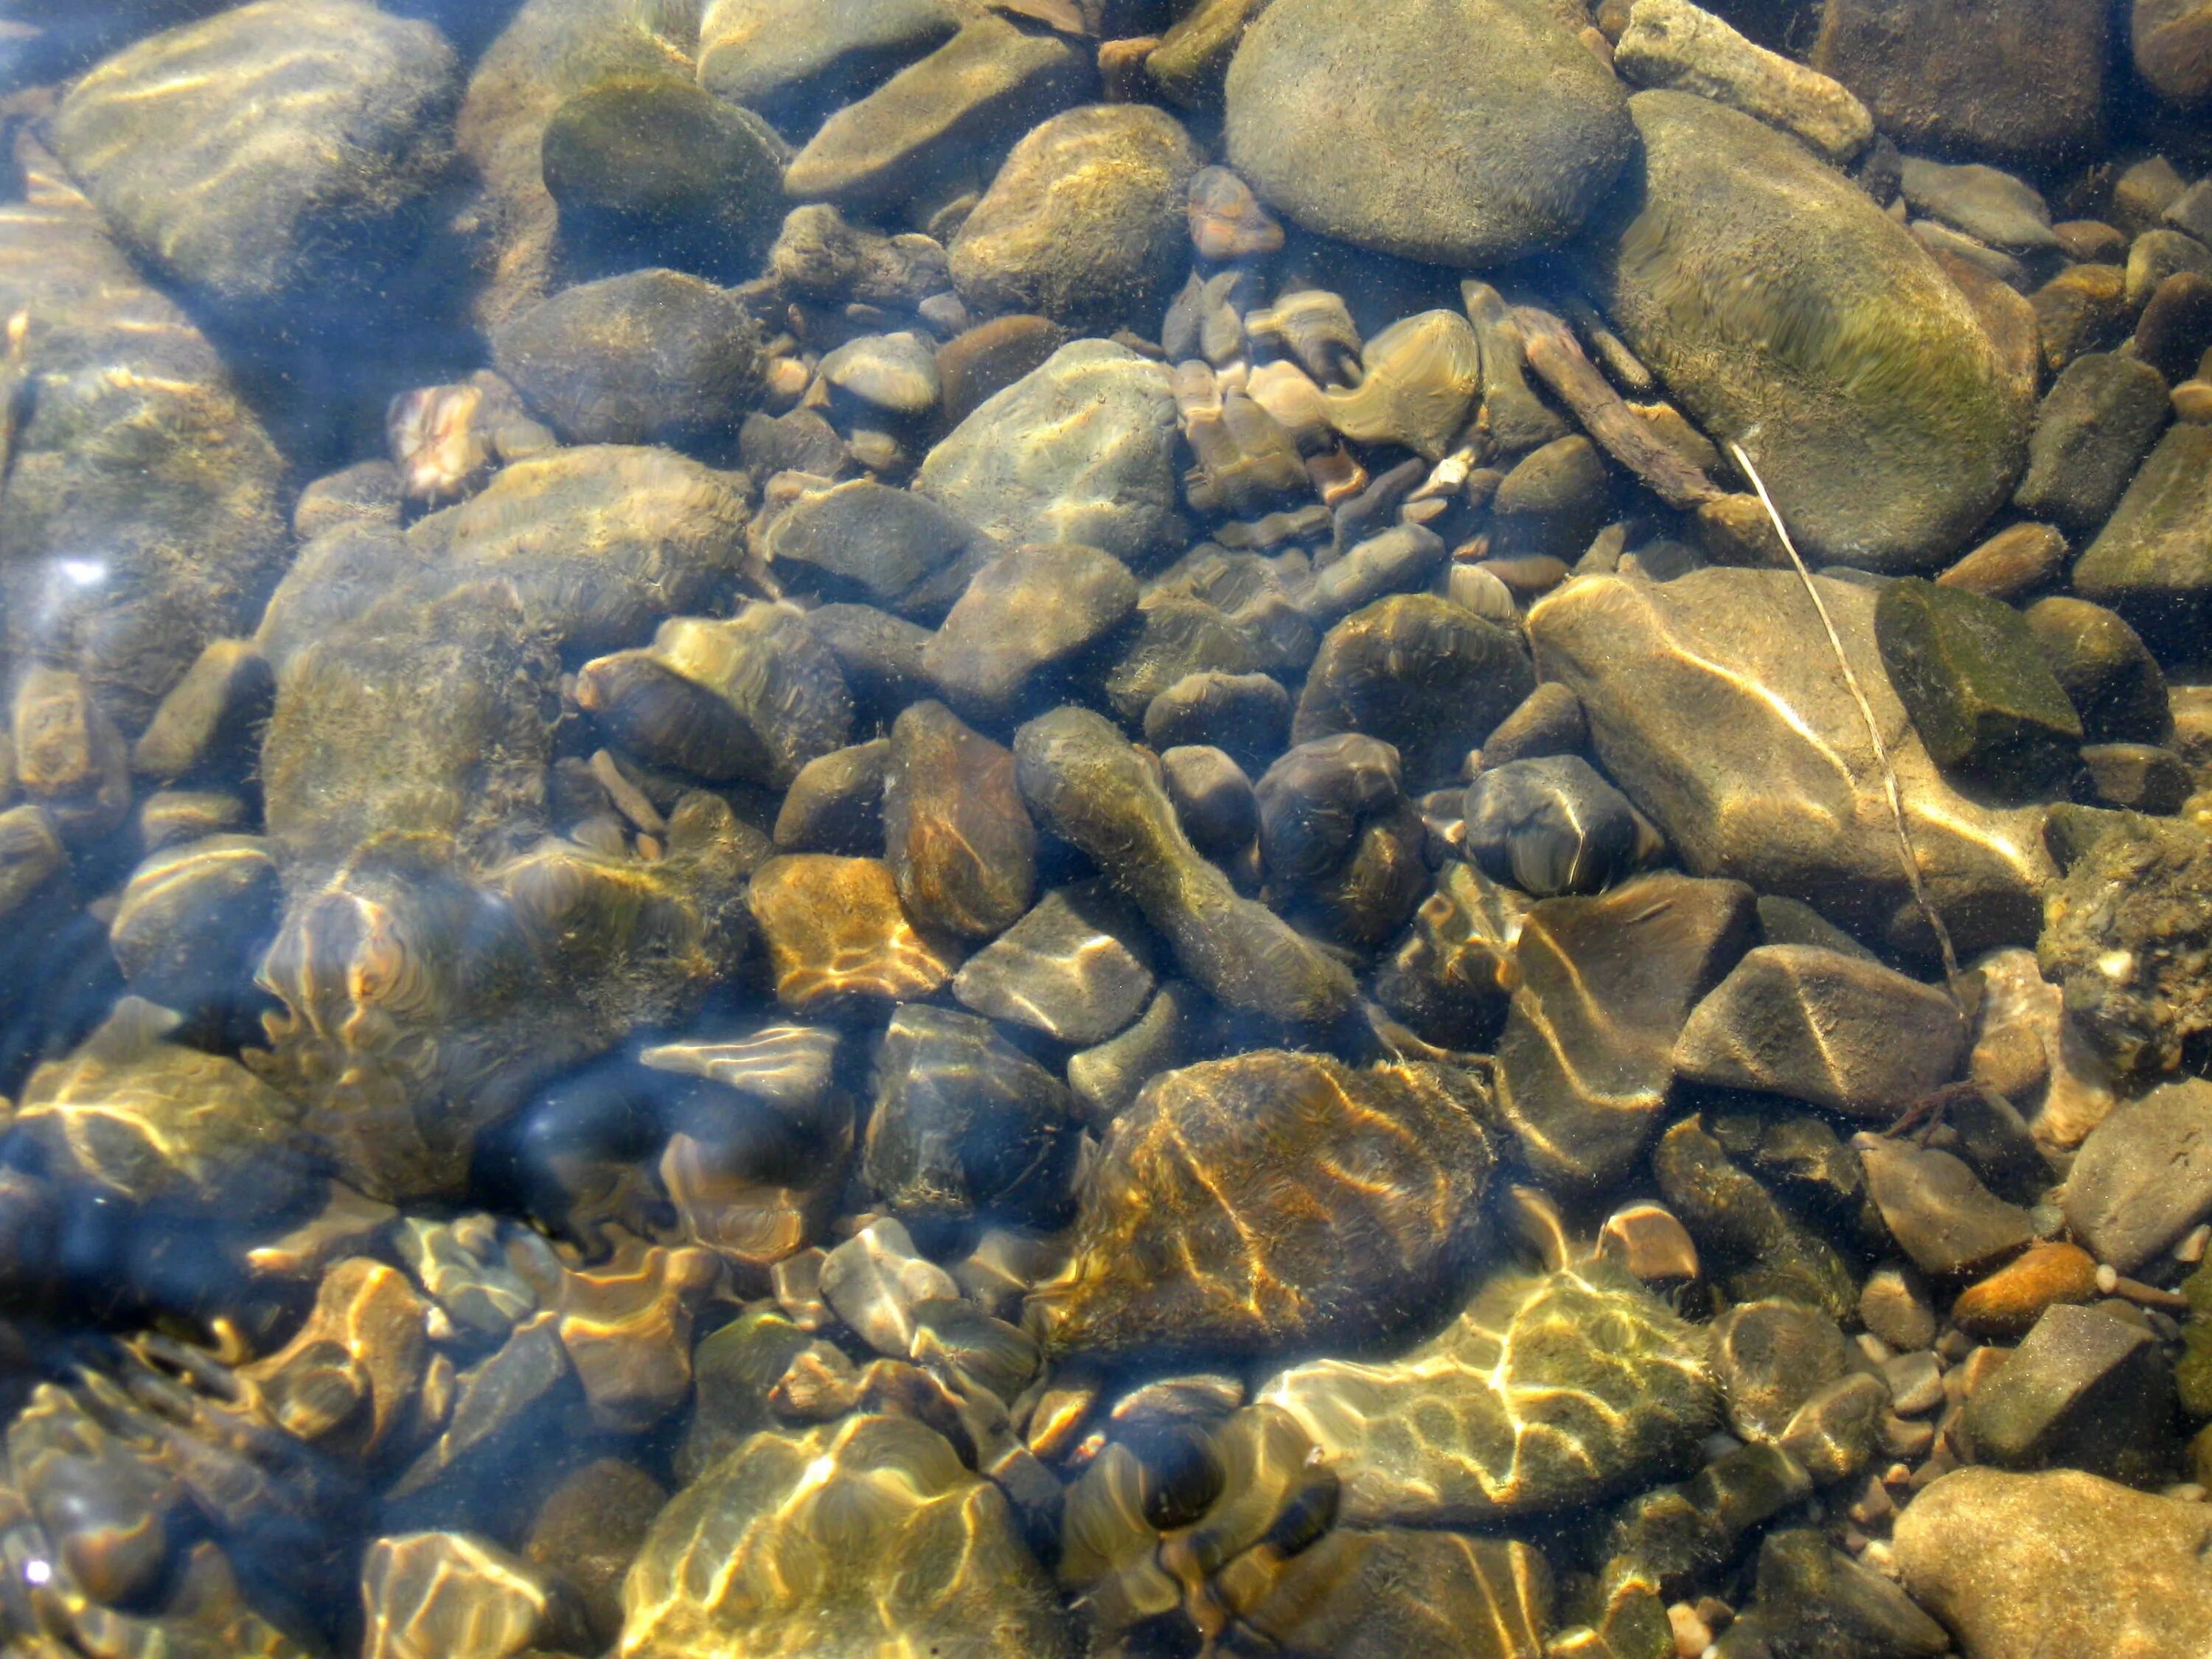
point(1121, 66)
point(2011, 562)
point(2192, 401)
point(1648, 1240)
point(1692, 1636)
point(2009, 1302)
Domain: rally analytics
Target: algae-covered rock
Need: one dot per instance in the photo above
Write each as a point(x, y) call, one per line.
point(1976, 683)
point(1791, 315)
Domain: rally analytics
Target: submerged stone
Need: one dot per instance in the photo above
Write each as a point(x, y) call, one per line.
point(1078, 968)
point(1972, 678)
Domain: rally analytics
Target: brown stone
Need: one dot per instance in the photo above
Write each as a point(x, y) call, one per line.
point(957, 836)
point(2017, 560)
point(2081, 309)
point(2007, 1303)
point(836, 932)
point(2172, 43)
point(627, 1325)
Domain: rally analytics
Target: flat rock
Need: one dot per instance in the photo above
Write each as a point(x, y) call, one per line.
point(1465, 132)
point(1078, 968)
point(984, 85)
point(861, 541)
point(2144, 1177)
point(2017, 80)
point(2153, 560)
point(1740, 238)
point(2088, 1389)
point(1977, 1548)
point(955, 834)
point(836, 932)
point(1674, 44)
point(1822, 1026)
point(1782, 790)
point(1084, 223)
point(774, 55)
point(1939, 1212)
point(1546, 1393)
point(1024, 612)
point(207, 145)
point(1995, 207)
point(1585, 1061)
point(1216, 1218)
point(1081, 449)
point(2094, 426)
point(964, 1124)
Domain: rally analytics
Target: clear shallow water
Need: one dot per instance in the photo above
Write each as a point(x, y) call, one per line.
point(878, 827)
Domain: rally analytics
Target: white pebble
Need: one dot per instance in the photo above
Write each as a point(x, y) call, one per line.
point(2108, 1278)
point(2190, 1250)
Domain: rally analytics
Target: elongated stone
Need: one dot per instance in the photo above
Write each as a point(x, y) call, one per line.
point(955, 834)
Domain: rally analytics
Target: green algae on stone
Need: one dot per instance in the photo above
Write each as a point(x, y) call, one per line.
point(1791, 315)
point(1758, 1248)
point(1976, 683)
point(1546, 1393)
point(2153, 560)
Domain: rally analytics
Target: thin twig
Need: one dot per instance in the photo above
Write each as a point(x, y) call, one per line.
point(14, 376)
point(1911, 859)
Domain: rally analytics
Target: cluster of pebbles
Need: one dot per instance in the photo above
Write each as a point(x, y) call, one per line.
point(849, 828)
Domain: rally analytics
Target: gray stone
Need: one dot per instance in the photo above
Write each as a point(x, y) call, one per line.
point(965, 1124)
point(771, 55)
point(861, 540)
point(2094, 426)
point(651, 356)
point(2144, 1177)
point(1080, 450)
point(2153, 560)
point(2159, 253)
point(1583, 1064)
point(213, 147)
point(1214, 801)
point(1771, 1358)
point(910, 136)
point(1714, 704)
point(1815, 1602)
point(2086, 1388)
point(1833, 1434)
point(1084, 223)
point(1550, 826)
point(1024, 613)
point(1464, 132)
point(1672, 43)
point(1939, 1214)
point(835, 803)
point(1339, 840)
point(1821, 1026)
point(1977, 1549)
point(1247, 716)
point(876, 375)
point(1789, 314)
point(1078, 967)
point(1105, 1079)
point(874, 1280)
point(1992, 207)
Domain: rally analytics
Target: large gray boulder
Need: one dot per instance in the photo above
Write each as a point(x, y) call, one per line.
point(1791, 315)
point(1466, 132)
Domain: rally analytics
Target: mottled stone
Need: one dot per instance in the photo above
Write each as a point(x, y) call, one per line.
point(853, 1537)
point(1216, 1218)
point(627, 1323)
point(1977, 1549)
point(200, 143)
point(1821, 1026)
point(1214, 801)
point(1464, 132)
point(1084, 222)
point(836, 932)
point(1938, 1210)
point(1605, 984)
point(906, 137)
point(1089, 785)
point(1671, 43)
point(2153, 560)
point(1338, 838)
point(1813, 1602)
point(1080, 449)
point(1422, 674)
point(1770, 1357)
point(798, 55)
point(965, 1123)
point(588, 1531)
point(874, 1281)
point(1024, 614)
point(1757, 1248)
point(958, 838)
point(1419, 379)
point(1546, 1393)
point(1714, 704)
point(1788, 314)
point(448, 1595)
point(1078, 968)
point(1972, 679)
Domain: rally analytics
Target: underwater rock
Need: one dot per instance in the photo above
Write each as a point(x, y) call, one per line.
point(1782, 789)
point(1463, 132)
point(205, 145)
point(1788, 314)
point(1938, 1210)
point(1246, 716)
point(1546, 1393)
point(2106, 672)
point(651, 356)
point(1024, 613)
point(800, 56)
point(956, 836)
point(1425, 676)
point(448, 1595)
point(1755, 1247)
point(1451, 977)
point(194, 920)
point(856, 1535)
point(1078, 967)
point(140, 519)
point(909, 137)
point(2088, 1389)
point(1813, 1601)
point(2149, 561)
point(867, 541)
point(1821, 1026)
point(1080, 449)
point(1549, 826)
point(836, 932)
point(1605, 985)
point(1084, 223)
point(835, 803)
point(2142, 1177)
point(1089, 785)
point(1419, 380)
point(964, 1124)
point(626, 1325)
point(1338, 839)
point(1220, 1214)
point(1673, 44)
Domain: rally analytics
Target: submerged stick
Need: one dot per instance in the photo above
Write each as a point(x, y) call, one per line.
point(14, 377)
point(1605, 414)
point(1911, 859)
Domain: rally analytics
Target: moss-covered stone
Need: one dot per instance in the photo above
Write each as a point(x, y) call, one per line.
point(1980, 692)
